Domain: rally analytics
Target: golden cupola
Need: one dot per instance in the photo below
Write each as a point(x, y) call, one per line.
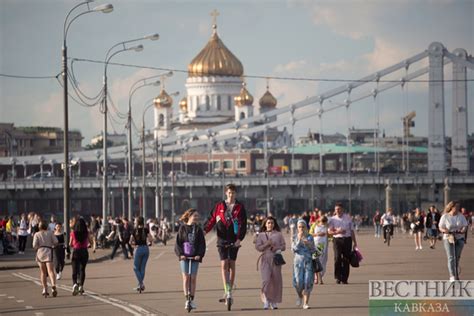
point(215, 59)
point(244, 98)
point(163, 100)
point(183, 104)
point(267, 100)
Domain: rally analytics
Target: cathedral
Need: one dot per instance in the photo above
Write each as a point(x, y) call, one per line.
point(216, 94)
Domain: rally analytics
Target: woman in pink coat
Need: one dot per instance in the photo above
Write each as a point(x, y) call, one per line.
point(269, 242)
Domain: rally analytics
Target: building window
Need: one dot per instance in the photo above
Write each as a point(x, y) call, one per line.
point(208, 103)
point(260, 164)
point(313, 165)
point(229, 102)
point(218, 103)
point(161, 120)
point(278, 162)
point(216, 164)
point(297, 164)
point(241, 164)
point(242, 115)
point(330, 165)
point(195, 103)
point(52, 142)
point(228, 164)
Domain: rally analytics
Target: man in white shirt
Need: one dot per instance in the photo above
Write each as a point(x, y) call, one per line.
point(341, 227)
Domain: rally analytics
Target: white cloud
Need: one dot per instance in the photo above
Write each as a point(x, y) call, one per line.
point(290, 66)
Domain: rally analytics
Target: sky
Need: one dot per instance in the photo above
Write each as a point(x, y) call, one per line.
point(338, 39)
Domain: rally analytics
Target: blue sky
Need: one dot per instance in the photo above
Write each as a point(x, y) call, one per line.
point(318, 39)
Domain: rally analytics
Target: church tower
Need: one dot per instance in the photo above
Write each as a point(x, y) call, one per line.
point(163, 114)
point(243, 105)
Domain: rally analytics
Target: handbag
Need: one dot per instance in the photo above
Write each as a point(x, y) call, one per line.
point(354, 259)
point(278, 259)
point(317, 265)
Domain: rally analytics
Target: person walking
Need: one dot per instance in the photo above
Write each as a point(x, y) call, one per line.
point(303, 275)
point(190, 247)
point(43, 243)
point(269, 242)
point(140, 238)
point(376, 222)
point(453, 225)
point(418, 228)
point(127, 234)
point(341, 227)
point(230, 219)
point(319, 231)
point(117, 234)
point(431, 223)
point(79, 241)
point(59, 251)
point(22, 233)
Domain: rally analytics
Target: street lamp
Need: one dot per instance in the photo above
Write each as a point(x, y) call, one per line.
point(267, 163)
point(137, 85)
point(110, 54)
point(104, 8)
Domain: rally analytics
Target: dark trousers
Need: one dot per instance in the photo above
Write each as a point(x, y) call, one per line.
point(129, 246)
point(116, 245)
point(58, 258)
point(342, 253)
point(385, 231)
point(22, 243)
point(80, 257)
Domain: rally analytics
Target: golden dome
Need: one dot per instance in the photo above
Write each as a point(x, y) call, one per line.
point(244, 98)
point(267, 100)
point(163, 100)
point(215, 59)
point(183, 104)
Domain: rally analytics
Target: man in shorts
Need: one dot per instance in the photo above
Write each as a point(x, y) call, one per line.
point(230, 219)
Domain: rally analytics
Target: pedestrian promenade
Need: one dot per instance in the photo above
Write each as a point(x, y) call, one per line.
point(109, 283)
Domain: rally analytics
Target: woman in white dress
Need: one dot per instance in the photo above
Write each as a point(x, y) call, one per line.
point(319, 231)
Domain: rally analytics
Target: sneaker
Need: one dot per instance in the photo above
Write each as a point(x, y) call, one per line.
point(306, 306)
point(299, 301)
point(143, 287)
point(186, 304)
point(274, 306)
point(416, 248)
point(421, 247)
point(75, 289)
point(385, 241)
point(266, 305)
point(81, 290)
point(58, 276)
point(54, 291)
point(193, 305)
point(452, 279)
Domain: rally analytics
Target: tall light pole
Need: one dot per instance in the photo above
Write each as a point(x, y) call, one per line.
point(143, 163)
point(122, 47)
point(137, 85)
point(105, 8)
point(267, 166)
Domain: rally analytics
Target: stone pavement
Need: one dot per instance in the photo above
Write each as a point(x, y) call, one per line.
point(109, 283)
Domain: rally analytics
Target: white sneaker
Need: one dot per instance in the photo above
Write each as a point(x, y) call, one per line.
point(299, 301)
point(75, 289)
point(452, 279)
point(416, 248)
point(58, 276)
point(193, 305)
point(421, 247)
point(266, 305)
point(274, 306)
point(186, 304)
point(306, 306)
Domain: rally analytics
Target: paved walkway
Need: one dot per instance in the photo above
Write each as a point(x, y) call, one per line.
point(109, 283)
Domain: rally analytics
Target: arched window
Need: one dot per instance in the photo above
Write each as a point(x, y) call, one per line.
point(208, 103)
point(242, 115)
point(229, 103)
point(161, 120)
point(218, 103)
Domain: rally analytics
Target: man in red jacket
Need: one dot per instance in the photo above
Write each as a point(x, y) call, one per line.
point(230, 219)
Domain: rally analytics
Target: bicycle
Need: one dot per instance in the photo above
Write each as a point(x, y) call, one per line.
point(388, 234)
point(188, 294)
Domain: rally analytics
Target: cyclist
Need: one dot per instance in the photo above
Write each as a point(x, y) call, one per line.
point(387, 221)
point(230, 219)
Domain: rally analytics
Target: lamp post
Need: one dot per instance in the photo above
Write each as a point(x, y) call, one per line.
point(144, 167)
point(267, 163)
point(110, 54)
point(105, 8)
point(137, 85)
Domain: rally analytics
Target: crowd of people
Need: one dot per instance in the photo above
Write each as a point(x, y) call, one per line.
point(310, 235)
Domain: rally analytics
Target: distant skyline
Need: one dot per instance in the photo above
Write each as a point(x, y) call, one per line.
point(305, 39)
